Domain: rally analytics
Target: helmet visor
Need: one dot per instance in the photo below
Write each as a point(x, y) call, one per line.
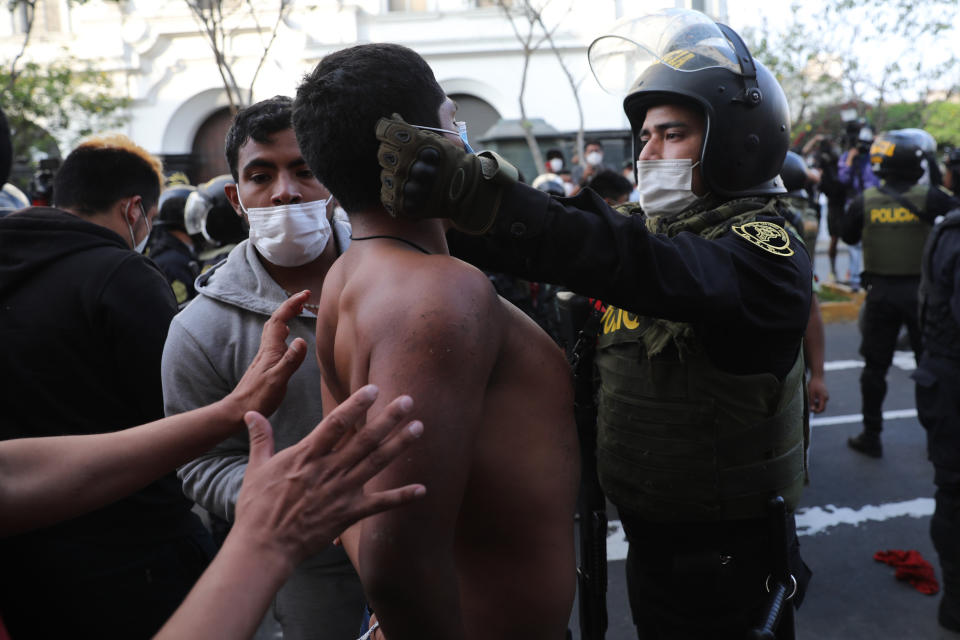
point(195, 213)
point(681, 39)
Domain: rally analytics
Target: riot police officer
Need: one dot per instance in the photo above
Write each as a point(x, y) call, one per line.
point(951, 160)
point(805, 221)
point(804, 218)
point(893, 221)
point(171, 247)
point(938, 405)
point(700, 405)
point(209, 218)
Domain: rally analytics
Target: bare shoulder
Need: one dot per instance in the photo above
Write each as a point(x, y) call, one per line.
point(439, 298)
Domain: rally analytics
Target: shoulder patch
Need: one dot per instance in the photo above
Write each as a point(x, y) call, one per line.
point(770, 237)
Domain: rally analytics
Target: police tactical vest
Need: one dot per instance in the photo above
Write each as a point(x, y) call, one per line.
point(893, 236)
point(679, 440)
point(941, 334)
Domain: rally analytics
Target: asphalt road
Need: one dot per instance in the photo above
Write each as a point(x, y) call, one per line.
point(853, 507)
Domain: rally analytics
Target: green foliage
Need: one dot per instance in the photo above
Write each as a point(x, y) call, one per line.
point(833, 55)
point(44, 103)
point(943, 123)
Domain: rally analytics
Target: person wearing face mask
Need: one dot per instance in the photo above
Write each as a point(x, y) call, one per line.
point(293, 240)
point(701, 400)
point(592, 163)
point(85, 318)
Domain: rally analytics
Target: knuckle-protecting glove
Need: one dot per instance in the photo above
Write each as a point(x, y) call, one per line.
point(444, 182)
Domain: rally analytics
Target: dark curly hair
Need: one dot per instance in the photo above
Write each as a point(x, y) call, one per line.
point(258, 121)
point(337, 107)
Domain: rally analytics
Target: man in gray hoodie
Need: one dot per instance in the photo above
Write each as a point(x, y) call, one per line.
point(293, 240)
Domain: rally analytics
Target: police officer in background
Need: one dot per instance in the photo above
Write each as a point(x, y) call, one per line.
point(938, 403)
point(951, 178)
point(804, 217)
point(893, 220)
point(171, 247)
point(701, 404)
point(805, 221)
point(209, 219)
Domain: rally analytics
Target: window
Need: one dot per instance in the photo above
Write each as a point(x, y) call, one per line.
point(409, 5)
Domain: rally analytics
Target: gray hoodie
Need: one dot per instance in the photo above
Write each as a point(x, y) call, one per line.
point(209, 347)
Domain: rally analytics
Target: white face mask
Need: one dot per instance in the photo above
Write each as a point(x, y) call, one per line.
point(139, 246)
point(665, 186)
point(289, 235)
point(594, 158)
point(555, 164)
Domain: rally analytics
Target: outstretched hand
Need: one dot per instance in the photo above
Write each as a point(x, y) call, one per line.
point(297, 501)
point(427, 176)
point(264, 383)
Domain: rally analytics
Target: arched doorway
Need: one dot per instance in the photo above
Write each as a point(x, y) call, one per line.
point(476, 112)
point(209, 160)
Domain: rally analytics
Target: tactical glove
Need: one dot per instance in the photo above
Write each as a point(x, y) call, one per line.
point(427, 176)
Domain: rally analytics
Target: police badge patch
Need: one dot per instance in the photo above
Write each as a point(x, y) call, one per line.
point(768, 236)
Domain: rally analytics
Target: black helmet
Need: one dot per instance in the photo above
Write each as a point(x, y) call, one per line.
point(794, 172)
point(683, 54)
point(897, 155)
point(951, 158)
point(928, 144)
point(170, 207)
point(210, 215)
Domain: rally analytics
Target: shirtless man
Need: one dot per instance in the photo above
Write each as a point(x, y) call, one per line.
point(488, 553)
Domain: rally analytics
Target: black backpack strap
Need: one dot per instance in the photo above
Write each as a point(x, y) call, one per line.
point(899, 197)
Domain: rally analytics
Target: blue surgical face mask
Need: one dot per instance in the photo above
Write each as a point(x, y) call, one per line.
point(461, 131)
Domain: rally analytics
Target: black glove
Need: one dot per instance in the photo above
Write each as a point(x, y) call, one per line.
point(427, 176)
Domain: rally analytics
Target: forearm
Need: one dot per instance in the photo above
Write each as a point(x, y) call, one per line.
point(233, 594)
point(45, 480)
point(814, 341)
point(214, 479)
point(584, 245)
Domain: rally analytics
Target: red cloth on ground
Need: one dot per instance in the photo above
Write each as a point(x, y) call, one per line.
point(911, 567)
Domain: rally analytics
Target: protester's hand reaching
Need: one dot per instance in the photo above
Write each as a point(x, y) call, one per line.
point(264, 383)
point(296, 502)
point(427, 176)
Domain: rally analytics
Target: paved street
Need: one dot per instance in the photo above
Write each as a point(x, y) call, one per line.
point(853, 507)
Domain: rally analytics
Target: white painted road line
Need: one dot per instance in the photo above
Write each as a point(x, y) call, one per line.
point(810, 520)
point(826, 421)
point(901, 359)
point(814, 520)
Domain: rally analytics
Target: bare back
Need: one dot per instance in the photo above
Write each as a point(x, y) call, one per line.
point(490, 552)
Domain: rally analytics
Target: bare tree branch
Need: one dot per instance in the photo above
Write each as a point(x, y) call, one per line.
point(30, 9)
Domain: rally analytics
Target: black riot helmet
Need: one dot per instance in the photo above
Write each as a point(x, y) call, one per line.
point(794, 173)
point(209, 215)
point(682, 56)
point(171, 206)
point(928, 144)
point(898, 155)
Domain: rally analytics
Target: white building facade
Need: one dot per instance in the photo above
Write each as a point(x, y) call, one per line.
point(161, 60)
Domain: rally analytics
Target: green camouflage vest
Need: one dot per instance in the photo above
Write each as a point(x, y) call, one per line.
point(893, 236)
point(805, 222)
point(678, 439)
